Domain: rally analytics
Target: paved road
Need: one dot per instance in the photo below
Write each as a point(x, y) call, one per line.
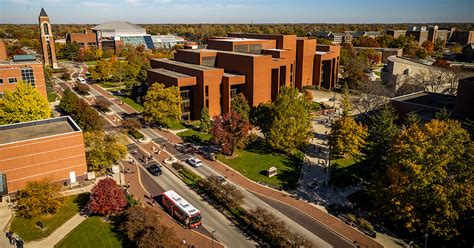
point(226, 232)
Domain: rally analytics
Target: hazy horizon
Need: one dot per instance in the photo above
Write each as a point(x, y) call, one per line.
point(239, 11)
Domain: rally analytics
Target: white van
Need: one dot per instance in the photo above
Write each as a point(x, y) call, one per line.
point(81, 80)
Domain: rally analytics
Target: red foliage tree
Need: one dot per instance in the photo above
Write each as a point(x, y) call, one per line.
point(229, 130)
point(429, 46)
point(107, 198)
point(442, 63)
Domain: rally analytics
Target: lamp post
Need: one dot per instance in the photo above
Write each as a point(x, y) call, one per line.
point(426, 240)
point(212, 240)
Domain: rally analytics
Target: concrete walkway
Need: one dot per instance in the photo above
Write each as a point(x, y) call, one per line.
point(59, 234)
point(5, 217)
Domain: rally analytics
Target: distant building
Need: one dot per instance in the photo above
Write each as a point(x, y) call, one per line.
point(468, 53)
point(115, 35)
point(22, 68)
point(462, 37)
point(397, 33)
point(3, 50)
point(87, 39)
point(427, 104)
point(419, 33)
point(359, 34)
point(399, 69)
point(51, 148)
point(335, 38)
point(47, 40)
point(255, 65)
point(384, 52)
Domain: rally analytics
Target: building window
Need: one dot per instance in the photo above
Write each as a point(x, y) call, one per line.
point(27, 75)
point(1, 80)
point(46, 28)
point(1, 95)
point(12, 80)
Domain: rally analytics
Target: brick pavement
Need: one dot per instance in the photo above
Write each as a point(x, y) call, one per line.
point(137, 189)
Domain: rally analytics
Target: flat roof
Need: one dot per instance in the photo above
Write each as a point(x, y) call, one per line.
point(181, 203)
point(321, 52)
point(220, 51)
point(187, 65)
point(37, 129)
point(169, 73)
point(429, 99)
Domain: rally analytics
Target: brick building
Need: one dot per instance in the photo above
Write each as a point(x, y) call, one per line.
point(86, 40)
point(462, 37)
point(51, 148)
point(47, 40)
point(253, 64)
point(22, 68)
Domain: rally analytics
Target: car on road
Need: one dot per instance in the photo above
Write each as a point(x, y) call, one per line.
point(155, 170)
point(194, 162)
point(81, 80)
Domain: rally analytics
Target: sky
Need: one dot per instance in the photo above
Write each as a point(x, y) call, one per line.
point(239, 11)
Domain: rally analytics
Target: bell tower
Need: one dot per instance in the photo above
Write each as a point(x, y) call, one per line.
point(47, 40)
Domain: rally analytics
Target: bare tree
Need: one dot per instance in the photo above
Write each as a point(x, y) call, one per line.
point(445, 82)
point(369, 96)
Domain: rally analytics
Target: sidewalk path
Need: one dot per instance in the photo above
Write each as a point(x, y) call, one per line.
point(58, 234)
point(5, 217)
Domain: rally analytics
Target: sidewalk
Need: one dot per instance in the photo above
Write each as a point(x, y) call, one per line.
point(5, 217)
point(58, 234)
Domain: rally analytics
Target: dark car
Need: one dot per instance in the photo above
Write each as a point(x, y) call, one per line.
point(155, 170)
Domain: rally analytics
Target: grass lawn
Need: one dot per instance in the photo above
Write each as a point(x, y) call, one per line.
point(132, 103)
point(256, 159)
point(195, 137)
point(28, 230)
point(92, 232)
point(377, 73)
point(90, 62)
point(52, 96)
point(174, 124)
point(346, 171)
point(110, 84)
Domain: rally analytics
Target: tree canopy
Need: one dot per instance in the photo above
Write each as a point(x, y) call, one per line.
point(241, 106)
point(205, 123)
point(84, 115)
point(229, 130)
point(103, 150)
point(162, 104)
point(39, 197)
point(107, 198)
point(24, 103)
point(290, 128)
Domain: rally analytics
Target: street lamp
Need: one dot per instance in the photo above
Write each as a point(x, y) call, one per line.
point(426, 240)
point(212, 240)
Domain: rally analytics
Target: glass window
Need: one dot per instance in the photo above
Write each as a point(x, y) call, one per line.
point(27, 75)
point(46, 28)
point(12, 80)
point(1, 80)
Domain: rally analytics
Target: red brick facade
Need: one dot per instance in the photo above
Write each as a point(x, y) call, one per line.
point(253, 64)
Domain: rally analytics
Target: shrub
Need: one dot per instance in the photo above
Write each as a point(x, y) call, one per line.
point(102, 104)
point(135, 134)
point(226, 194)
point(82, 89)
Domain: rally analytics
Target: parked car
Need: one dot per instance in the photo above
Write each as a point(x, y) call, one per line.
point(155, 170)
point(81, 80)
point(194, 162)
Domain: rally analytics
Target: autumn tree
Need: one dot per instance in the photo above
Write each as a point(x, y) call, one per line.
point(241, 106)
point(442, 63)
point(290, 128)
point(205, 122)
point(162, 104)
point(82, 89)
point(143, 228)
point(262, 117)
point(39, 197)
point(84, 115)
point(430, 180)
point(107, 198)
point(227, 194)
point(102, 104)
point(428, 46)
point(229, 130)
point(101, 71)
point(130, 124)
point(347, 137)
point(366, 41)
point(24, 103)
point(103, 150)
point(373, 57)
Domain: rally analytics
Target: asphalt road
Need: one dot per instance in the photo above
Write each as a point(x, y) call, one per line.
point(226, 232)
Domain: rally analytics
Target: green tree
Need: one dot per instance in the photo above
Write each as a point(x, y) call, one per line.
point(262, 117)
point(382, 130)
point(103, 150)
point(346, 104)
point(430, 179)
point(291, 126)
point(162, 104)
point(241, 106)
point(84, 115)
point(206, 122)
point(24, 103)
point(39, 197)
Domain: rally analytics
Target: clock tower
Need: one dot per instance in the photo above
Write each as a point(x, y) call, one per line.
point(47, 40)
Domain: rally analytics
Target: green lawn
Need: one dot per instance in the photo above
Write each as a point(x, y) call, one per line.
point(92, 232)
point(377, 73)
point(174, 124)
point(132, 103)
point(346, 171)
point(256, 159)
point(52, 96)
point(90, 62)
point(195, 137)
point(110, 84)
point(28, 230)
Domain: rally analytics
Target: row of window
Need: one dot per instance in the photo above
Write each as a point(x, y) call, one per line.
point(27, 75)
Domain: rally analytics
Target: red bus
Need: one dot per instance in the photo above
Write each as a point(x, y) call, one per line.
point(181, 210)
